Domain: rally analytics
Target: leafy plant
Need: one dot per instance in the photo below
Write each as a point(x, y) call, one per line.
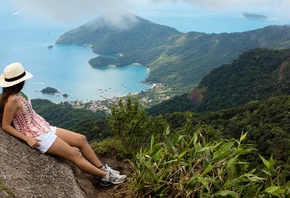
point(189, 166)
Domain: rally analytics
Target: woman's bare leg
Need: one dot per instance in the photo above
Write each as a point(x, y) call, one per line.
point(62, 149)
point(79, 141)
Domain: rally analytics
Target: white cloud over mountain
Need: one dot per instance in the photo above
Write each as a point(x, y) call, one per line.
point(76, 10)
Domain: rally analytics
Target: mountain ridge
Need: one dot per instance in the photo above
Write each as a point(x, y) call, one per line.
point(257, 74)
point(178, 60)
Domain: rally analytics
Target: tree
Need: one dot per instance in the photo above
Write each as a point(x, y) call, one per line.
point(132, 125)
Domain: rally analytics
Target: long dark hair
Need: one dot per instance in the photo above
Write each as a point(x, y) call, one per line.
point(6, 93)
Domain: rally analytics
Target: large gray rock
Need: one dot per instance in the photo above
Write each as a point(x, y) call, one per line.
point(27, 173)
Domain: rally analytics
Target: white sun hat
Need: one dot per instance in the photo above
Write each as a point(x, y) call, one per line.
point(13, 74)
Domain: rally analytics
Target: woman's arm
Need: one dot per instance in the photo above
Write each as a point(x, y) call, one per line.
point(11, 108)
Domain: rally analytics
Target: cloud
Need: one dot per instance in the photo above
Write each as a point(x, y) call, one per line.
point(64, 11)
point(80, 11)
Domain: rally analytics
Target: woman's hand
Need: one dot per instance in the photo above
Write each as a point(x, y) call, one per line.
point(32, 142)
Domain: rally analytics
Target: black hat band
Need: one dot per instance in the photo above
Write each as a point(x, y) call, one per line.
point(15, 78)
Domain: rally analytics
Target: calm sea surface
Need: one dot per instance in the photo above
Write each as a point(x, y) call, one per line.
point(66, 68)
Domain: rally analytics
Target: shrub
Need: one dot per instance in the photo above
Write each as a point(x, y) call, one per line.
point(130, 124)
point(111, 147)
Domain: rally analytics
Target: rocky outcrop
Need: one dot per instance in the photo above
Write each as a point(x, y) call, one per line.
point(196, 95)
point(27, 173)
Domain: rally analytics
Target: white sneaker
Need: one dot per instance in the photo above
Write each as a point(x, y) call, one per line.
point(112, 178)
point(109, 169)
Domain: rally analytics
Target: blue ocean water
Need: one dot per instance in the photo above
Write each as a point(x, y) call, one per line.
point(66, 68)
point(186, 18)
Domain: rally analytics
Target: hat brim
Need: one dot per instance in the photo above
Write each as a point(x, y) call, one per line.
point(4, 83)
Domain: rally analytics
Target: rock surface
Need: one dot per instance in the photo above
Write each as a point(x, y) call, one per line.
point(27, 173)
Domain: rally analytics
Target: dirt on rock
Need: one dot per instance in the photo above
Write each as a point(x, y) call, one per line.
point(115, 191)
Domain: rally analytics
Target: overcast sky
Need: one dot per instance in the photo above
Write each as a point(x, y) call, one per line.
point(68, 11)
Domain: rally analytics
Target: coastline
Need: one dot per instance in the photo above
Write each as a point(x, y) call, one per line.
point(158, 90)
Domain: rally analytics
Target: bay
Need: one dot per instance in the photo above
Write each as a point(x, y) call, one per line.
point(65, 67)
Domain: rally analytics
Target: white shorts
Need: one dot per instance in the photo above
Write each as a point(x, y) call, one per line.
point(46, 140)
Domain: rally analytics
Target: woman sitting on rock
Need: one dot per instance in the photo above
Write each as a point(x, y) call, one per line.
point(20, 120)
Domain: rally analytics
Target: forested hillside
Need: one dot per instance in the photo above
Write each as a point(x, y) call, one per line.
point(266, 122)
point(179, 60)
point(255, 75)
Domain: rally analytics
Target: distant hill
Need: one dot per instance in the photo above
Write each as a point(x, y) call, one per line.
point(137, 41)
point(179, 60)
point(256, 74)
point(253, 15)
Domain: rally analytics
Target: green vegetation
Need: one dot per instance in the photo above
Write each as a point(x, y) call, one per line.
point(177, 60)
point(195, 158)
point(201, 154)
point(179, 103)
point(49, 90)
point(266, 122)
point(7, 190)
point(255, 75)
point(189, 166)
point(129, 126)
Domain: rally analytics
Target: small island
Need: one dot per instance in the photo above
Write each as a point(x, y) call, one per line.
point(53, 91)
point(252, 15)
point(49, 90)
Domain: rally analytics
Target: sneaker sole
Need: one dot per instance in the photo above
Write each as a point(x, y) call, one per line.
point(118, 182)
point(107, 183)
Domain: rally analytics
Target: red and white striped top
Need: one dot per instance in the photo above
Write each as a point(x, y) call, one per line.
point(28, 121)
